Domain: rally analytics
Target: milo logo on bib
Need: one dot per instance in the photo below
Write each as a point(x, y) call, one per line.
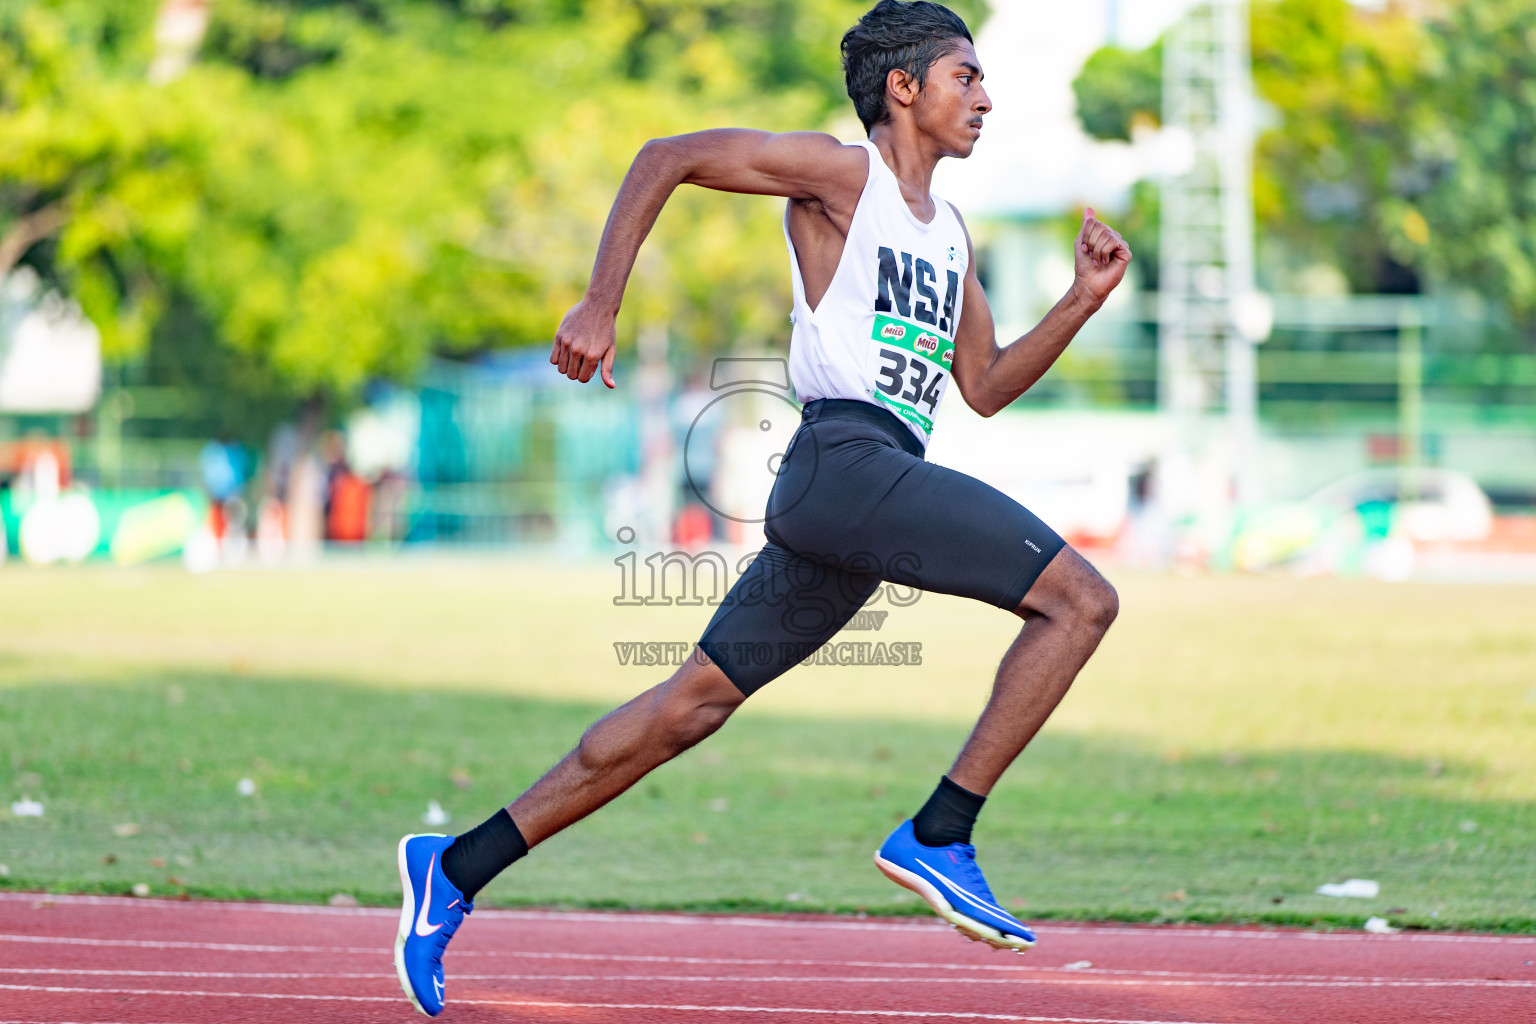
point(913, 369)
point(912, 336)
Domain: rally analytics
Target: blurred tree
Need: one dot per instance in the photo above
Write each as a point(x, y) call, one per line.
point(1474, 220)
point(1403, 148)
point(1117, 88)
point(94, 169)
point(338, 187)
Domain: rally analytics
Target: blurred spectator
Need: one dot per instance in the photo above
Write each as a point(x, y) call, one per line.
point(389, 507)
point(39, 467)
point(347, 495)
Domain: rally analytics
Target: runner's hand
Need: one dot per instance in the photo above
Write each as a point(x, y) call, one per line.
point(585, 342)
point(1101, 258)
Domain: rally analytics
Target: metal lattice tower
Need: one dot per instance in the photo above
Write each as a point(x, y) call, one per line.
point(1206, 359)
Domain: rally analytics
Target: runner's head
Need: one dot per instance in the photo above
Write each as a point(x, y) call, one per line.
point(899, 52)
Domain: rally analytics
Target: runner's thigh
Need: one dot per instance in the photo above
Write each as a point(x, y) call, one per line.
point(779, 612)
point(848, 498)
point(948, 533)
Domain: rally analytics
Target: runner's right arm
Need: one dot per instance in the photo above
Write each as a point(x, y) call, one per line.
point(795, 165)
point(991, 378)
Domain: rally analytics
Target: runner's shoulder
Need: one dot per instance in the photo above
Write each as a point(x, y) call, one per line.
point(827, 158)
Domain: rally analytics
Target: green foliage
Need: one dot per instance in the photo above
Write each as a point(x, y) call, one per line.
point(1481, 206)
point(1116, 87)
point(1404, 150)
point(340, 188)
point(1337, 177)
point(97, 151)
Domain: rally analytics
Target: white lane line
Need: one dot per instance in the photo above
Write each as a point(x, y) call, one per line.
point(829, 924)
point(130, 902)
point(909, 965)
point(738, 961)
point(1056, 977)
point(226, 947)
point(1020, 971)
point(385, 975)
point(918, 1014)
point(1069, 979)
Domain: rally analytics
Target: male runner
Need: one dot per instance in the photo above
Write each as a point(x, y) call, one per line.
point(887, 307)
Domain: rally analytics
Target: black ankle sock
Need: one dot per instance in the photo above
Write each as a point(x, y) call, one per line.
point(947, 817)
point(483, 852)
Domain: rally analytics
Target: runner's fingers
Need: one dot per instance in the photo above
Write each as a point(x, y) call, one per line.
point(608, 365)
point(584, 364)
point(1093, 239)
point(1106, 245)
point(1100, 243)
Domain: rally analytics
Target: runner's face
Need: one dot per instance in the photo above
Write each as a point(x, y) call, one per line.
point(952, 102)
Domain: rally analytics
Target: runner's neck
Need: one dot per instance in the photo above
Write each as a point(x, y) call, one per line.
point(911, 166)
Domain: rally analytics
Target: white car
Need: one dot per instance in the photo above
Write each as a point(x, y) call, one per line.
point(1427, 505)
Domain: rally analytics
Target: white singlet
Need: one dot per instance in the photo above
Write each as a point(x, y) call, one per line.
point(885, 330)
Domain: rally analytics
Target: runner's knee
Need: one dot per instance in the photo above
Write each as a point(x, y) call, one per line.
point(1072, 591)
point(682, 722)
point(1096, 603)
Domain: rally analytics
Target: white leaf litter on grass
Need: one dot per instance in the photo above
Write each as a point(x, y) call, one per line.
point(140, 889)
point(26, 807)
point(1354, 888)
point(5, 871)
point(435, 814)
point(1380, 926)
point(245, 787)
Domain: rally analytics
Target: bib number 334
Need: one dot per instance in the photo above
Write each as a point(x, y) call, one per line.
point(913, 369)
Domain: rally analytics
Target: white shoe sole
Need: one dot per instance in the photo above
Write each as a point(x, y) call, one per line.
point(407, 916)
point(971, 928)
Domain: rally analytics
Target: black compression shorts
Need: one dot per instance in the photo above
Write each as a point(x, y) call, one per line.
point(854, 504)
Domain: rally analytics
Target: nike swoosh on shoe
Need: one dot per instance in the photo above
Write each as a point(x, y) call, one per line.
point(963, 894)
point(426, 929)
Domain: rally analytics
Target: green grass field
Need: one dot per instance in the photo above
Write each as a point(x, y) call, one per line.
point(1236, 743)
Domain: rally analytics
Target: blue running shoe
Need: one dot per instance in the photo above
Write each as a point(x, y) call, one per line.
point(432, 911)
point(949, 880)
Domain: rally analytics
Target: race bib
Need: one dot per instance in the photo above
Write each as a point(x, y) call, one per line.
point(912, 369)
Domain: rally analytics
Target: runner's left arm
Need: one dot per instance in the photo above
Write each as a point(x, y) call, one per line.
point(990, 377)
point(796, 165)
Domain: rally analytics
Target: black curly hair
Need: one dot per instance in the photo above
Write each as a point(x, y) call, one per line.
point(895, 34)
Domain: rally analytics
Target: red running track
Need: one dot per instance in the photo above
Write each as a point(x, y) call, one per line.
point(100, 960)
